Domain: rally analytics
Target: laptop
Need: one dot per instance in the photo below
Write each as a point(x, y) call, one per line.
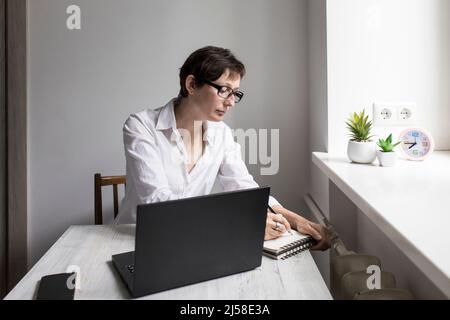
point(186, 241)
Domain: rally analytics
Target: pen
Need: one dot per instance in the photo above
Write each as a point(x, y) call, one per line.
point(271, 210)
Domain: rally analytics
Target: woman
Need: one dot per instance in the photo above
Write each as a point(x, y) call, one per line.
point(179, 150)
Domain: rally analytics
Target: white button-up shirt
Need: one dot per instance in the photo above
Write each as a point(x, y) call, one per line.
point(156, 161)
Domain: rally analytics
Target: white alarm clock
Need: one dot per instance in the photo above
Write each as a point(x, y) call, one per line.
point(416, 143)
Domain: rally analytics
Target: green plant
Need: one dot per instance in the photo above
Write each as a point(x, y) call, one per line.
point(386, 145)
point(359, 127)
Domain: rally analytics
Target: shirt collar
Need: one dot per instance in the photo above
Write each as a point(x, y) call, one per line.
point(209, 132)
point(166, 120)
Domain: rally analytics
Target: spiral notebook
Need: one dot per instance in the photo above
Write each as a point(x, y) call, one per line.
point(287, 245)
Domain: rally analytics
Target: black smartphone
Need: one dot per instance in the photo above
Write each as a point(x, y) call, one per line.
point(59, 286)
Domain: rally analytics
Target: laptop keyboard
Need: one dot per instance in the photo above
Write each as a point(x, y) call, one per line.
point(130, 268)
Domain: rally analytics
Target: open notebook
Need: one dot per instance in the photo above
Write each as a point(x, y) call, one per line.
point(287, 245)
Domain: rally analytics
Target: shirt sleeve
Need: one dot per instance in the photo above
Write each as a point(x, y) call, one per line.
point(144, 163)
point(233, 173)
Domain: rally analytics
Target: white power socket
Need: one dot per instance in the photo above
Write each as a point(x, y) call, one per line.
point(406, 114)
point(394, 114)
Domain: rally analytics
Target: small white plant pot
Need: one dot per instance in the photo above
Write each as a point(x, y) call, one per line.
point(387, 159)
point(361, 152)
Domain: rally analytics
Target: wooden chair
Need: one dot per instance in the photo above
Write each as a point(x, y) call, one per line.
point(100, 182)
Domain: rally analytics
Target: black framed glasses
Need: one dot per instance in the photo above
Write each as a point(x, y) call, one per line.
point(226, 92)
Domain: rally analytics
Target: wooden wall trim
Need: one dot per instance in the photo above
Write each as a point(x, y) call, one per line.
point(16, 115)
point(3, 218)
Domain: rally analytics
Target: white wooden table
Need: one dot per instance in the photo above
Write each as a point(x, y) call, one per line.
point(90, 248)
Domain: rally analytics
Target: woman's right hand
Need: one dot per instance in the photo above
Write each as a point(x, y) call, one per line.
point(276, 225)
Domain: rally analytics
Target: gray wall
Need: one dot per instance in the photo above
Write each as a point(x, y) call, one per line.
point(83, 84)
point(272, 37)
point(2, 151)
point(318, 112)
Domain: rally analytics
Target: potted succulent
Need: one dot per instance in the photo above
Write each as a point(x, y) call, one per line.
point(361, 148)
point(386, 156)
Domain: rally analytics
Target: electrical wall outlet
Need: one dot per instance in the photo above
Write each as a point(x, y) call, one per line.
point(406, 114)
point(394, 114)
point(384, 114)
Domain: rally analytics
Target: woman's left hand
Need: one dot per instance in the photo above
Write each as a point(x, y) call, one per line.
point(318, 232)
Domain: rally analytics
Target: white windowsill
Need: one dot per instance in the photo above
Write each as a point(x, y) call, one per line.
point(410, 203)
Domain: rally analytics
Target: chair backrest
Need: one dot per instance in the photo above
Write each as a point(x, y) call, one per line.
point(99, 182)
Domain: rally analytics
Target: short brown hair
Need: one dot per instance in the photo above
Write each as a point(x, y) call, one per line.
point(208, 64)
